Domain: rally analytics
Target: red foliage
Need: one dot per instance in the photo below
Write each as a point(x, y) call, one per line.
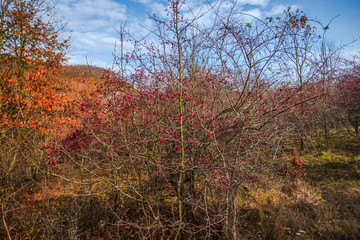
point(348, 96)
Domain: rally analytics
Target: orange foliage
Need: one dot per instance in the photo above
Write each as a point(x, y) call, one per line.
point(296, 166)
point(31, 55)
point(81, 89)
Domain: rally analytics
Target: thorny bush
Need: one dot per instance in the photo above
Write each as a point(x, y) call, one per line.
point(184, 132)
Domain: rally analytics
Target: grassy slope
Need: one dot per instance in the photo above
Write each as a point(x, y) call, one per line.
point(334, 167)
point(323, 204)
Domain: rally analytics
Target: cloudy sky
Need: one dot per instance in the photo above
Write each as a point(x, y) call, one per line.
point(93, 23)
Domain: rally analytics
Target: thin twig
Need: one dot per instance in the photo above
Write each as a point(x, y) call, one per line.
point(4, 221)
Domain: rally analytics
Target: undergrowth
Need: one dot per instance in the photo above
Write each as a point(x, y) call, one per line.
point(320, 202)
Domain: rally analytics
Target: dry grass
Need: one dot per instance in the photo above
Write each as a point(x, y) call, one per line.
point(323, 204)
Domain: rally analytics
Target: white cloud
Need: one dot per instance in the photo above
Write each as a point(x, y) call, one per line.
point(257, 13)
point(93, 60)
point(92, 23)
point(262, 3)
point(352, 50)
point(79, 13)
point(158, 8)
point(143, 1)
point(279, 8)
point(92, 41)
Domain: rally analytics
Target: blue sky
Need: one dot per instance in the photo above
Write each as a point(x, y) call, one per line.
point(92, 23)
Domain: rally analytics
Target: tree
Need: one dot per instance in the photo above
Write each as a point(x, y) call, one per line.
point(186, 129)
point(348, 95)
point(32, 51)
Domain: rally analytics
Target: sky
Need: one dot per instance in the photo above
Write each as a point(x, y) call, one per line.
point(92, 24)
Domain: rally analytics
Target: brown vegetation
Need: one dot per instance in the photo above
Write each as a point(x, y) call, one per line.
point(193, 139)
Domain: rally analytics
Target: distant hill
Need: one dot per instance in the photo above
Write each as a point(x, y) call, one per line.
point(81, 72)
point(80, 80)
point(79, 87)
